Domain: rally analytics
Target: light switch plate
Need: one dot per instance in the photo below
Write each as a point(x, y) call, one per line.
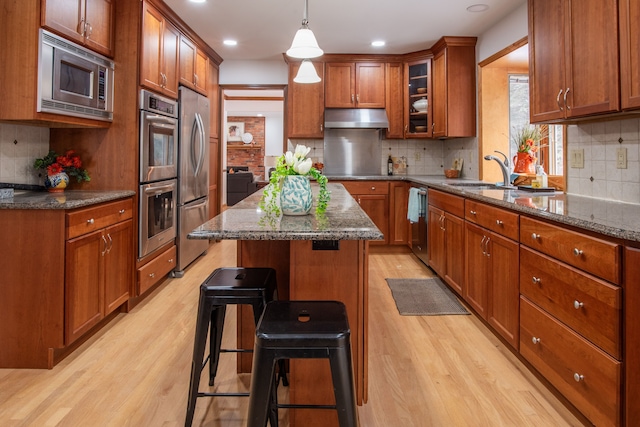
point(621, 158)
point(577, 158)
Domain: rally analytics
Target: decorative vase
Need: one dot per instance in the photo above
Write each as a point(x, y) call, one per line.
point(296, 197)
point(524, 163)
point(56, 183)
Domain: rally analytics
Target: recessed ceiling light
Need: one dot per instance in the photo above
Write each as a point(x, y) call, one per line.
point(230, 42)
point(478, 7)
point(198, 1)
point(378, 43)
point(259, 114)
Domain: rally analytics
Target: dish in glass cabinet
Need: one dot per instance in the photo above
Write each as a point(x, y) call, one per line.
point(421, 90)
point(421, 128)
point(421, 105)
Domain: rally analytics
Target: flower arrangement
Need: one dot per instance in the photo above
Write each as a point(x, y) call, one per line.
point(296, 163)
point(68, 163)
point(527, 139)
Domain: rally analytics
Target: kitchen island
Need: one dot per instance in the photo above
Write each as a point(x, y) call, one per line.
point(316, 258)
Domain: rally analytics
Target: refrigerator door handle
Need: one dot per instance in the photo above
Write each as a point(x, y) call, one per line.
point(202, 144)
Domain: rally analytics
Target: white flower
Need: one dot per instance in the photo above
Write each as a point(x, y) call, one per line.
point(302, 151)
point(289, 159)
point(302, 167)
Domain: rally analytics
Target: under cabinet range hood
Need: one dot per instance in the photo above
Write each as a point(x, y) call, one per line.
point(355, 118)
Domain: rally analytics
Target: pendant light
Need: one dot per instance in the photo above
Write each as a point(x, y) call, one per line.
point(304, 43)
point(307, 73)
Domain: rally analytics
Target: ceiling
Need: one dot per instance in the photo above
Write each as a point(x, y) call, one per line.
point(264, 29)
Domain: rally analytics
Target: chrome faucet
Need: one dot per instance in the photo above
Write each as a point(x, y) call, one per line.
point(504, 167)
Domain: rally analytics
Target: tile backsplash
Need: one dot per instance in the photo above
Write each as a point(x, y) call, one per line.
point(600, 177)
point(20, 145)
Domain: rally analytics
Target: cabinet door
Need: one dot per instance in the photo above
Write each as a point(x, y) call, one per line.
point(630, 53)
point(83, 292)
point(376, 207)
point(436, 240)
point(454, 250)
point(187, 62)
point(439, 95)
point(476, 269)
point(399, 227)
point(547, 59)
point(305, 117)
point(99, 17)
point(202, 67)
point(170, 40)
point(340, 85)
point(150, 57)
point(394, 88)
point(504, 295)
point(118, 268)
point(370, 87)
point(418, 123)
point(65, 17)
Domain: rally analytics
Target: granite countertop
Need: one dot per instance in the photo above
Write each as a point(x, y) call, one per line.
point(343, 220)
point(69, 199)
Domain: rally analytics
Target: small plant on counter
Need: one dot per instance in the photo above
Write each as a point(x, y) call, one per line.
point(296, 163)
point(68, 163)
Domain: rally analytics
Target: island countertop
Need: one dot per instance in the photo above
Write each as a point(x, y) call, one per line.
point(343, 220)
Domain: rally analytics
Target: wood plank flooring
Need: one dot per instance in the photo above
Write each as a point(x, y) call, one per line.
point(423, 371)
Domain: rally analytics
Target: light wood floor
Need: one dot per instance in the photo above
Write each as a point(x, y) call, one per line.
point(423, 371)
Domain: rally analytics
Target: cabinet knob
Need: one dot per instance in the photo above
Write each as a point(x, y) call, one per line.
point(498, 222)
point(535, 340)
point(90, 221)
point(170, 260)
point(578, 305)
point(577, 252)
point(535, 236)
point(577, 377)
point(472, 212)
point(535, 280)
point(121, 211)
point(152, 275)
point(373, 188)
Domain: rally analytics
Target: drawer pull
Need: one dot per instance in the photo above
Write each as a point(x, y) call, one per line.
point(535, 280)
point(577, 377)
point(121, 211)
point(578, 305)
point(498, 222)
point(90, 221)
point(535, 236)
point(535, 340)
point(152, 275)
point(170, 260)
point(373, 188)
point(577, 252)
point(472, 212)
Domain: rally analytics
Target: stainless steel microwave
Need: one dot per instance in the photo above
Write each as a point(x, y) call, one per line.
point(72, 80)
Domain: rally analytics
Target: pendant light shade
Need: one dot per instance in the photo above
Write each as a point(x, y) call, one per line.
point(304, 43)
point(306, 73)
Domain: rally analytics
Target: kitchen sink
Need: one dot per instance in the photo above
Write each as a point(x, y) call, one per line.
point(477, 186)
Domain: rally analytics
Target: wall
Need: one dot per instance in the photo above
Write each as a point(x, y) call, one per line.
point(248, 157)
point(20, 145)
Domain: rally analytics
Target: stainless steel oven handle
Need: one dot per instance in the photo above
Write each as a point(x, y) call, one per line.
point(160, 119)
point(159, 190)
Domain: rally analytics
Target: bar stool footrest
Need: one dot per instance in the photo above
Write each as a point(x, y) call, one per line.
point(303, 406)
point(230, 394)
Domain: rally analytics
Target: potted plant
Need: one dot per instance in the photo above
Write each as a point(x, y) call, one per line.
point(289, 190)
point(527, 140)
point(59, 168)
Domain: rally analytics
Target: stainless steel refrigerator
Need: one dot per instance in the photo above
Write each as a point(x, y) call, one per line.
point(193, 175)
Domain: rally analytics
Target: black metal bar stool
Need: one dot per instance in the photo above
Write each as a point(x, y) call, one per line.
point(252, 286)
point(295, 330)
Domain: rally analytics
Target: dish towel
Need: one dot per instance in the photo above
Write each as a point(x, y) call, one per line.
point(413, 210)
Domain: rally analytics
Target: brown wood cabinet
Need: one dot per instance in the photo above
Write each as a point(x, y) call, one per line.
point(399, 226)
point(213, 91)
point(395, 88)
point(355, 85)
point(98, 264)
point(373, 197)
point(156, 269)
point(631, 336)
point(629, 54)
point(453, 89)
point(194, 65)
point(159, 55)
point(418, 123)
point(305, 105)
point(445, 237)
point(87, 22)
point(573, 59)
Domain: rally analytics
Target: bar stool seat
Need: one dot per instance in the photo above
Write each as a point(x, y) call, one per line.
point(298, 330)
point(252, 286)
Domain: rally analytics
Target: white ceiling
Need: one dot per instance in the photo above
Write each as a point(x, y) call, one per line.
point(264, 28)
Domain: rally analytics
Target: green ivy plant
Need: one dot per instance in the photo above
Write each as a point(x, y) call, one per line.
point(295, 163)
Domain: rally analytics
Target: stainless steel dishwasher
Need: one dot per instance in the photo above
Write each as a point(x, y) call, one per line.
point(419, 229)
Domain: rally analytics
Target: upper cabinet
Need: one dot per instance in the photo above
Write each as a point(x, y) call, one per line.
point(418, 122)
point(87, 22)
point(355, 85)
point(194, 64)
point(629, 53)
point(159, 55)
point(394, 93)
point(453, 92)
point(573, 58)
point(305, 105)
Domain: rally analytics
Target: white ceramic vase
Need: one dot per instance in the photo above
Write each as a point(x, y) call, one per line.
point(296, 197)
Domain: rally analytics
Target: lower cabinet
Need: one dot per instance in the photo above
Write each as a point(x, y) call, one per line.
point(155, 270)
point(373, 197)
point(98, 265)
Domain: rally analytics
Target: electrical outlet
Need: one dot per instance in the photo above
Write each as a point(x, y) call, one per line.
point(416, 156)
point(577, 158)
point(621, 158)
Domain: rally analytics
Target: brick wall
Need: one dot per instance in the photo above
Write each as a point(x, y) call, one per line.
point(252, 155)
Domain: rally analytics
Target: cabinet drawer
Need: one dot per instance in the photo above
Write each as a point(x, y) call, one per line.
point(366, 187)
point(588, 253)
point(154, 271)
point(495, 219)
point(590, 306)
point(82, 221)
point(563, 357)
point(447, 202)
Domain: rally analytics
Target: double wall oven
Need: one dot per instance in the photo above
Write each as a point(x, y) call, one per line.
point(158, 171)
